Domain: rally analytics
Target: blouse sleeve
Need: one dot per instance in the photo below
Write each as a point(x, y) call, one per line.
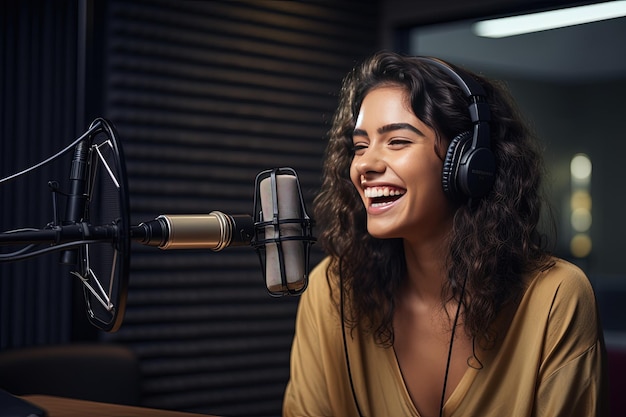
point(572, 375)
point(307, 391)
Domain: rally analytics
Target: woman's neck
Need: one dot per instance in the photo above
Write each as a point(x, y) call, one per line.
point(426, 271)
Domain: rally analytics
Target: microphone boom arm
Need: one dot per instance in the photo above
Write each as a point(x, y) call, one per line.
point(56, 235)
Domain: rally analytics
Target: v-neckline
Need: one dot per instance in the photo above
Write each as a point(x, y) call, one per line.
point(453, 400)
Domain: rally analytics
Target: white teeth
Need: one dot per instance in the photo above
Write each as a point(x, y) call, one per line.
point(381, 204)
point(374, 192)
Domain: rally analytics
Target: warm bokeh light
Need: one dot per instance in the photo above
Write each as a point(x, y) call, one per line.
point(580, 245)
point(581, 220)
point(580, 200)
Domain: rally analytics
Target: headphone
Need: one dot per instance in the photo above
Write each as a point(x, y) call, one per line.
point(469, 165)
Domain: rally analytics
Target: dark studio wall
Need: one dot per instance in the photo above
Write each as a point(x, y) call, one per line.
point(40, 84)
point(204, 95)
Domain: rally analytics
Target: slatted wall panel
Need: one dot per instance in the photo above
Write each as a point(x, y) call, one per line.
point(206, 94)
point(37, 118)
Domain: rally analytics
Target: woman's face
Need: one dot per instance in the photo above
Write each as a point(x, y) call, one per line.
point(396, 170)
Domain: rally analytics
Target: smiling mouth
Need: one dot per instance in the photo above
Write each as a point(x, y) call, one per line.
point(383, 196)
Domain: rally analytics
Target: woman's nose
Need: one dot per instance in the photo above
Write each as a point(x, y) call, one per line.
point(370, 161)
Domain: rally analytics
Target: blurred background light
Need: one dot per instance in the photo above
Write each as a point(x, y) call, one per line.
point(581, 220)
point(580, 167)
point(580, 245)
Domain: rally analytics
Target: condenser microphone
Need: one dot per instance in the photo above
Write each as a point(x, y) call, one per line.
point(283, 231)
point(214, 231)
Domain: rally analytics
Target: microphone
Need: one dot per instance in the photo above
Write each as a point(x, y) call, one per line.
point(283, 232)
point(280, 232)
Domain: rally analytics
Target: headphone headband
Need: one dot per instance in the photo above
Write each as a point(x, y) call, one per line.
point(478, 108)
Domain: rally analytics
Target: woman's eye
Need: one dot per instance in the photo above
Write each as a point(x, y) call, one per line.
point(358, 149)
point(399, 142)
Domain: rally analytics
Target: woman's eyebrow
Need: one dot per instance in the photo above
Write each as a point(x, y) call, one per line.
point(389, 128)
point(399, 126)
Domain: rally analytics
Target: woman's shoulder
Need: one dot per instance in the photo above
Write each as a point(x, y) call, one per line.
point(557, 310)
point(563, 293)
point(562, 278)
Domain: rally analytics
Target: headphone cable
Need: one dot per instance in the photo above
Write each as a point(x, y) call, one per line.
point(345, 343)
point(454, 324)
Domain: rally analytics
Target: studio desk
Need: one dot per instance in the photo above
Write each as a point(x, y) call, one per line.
point(68, 407)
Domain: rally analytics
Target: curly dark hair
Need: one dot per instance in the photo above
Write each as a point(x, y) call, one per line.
point(492, 244)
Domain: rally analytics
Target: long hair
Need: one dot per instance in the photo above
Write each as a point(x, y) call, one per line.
point(492, 245)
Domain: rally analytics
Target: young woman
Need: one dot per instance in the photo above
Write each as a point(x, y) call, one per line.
point(438, 297)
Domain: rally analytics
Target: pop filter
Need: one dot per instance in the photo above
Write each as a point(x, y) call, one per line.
point(103, 265)
point(95, 233)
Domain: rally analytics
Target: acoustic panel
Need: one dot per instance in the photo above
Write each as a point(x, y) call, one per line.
point(205, 95)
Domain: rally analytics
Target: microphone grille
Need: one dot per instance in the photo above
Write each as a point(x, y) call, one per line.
point(283, 232)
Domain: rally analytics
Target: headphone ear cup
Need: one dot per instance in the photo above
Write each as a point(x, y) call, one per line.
point(449, 177)
point(476, 174)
